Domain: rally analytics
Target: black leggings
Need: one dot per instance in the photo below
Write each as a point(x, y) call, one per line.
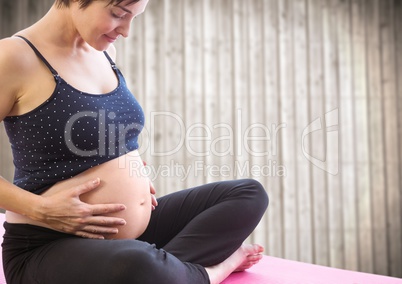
point(189, 230)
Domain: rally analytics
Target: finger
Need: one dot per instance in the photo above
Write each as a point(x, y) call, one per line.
point(102, 209)
point(154, 200)
point(152, 188)
point(102, 221)
point(88, 186)
point(99, 230)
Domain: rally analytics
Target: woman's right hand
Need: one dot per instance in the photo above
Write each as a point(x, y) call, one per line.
point(65, 212)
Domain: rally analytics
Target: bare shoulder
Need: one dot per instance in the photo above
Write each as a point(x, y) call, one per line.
point(15, 64)
point(15, 54)
point(17, 59)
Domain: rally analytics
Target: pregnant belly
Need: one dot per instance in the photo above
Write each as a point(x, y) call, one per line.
point(121, 182)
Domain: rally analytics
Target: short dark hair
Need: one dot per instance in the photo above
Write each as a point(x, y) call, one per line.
point(86, 3)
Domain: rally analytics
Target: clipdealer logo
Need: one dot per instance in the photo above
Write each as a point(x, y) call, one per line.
point(329, 125)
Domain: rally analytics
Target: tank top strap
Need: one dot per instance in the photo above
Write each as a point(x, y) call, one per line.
point(110, 60)
point(54, 72)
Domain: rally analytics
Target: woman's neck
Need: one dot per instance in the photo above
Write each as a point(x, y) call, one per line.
point(57, 28)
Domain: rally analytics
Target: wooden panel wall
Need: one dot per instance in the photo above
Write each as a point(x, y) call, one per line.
point(302, 95)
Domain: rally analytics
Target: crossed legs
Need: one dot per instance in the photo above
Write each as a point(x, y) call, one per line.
point(194, 236)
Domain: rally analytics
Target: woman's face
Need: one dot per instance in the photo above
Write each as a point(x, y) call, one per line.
point(100, 24)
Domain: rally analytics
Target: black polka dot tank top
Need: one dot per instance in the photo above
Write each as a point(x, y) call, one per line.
point(72, 131)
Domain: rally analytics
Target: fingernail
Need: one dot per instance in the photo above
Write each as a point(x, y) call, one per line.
point(95, 181)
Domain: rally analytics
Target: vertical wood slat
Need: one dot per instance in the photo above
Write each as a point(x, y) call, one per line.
point(287, 108)
point(303, 184)
point(22, 6)
point(194, 101)
point(241, 75)
point(376, 138)
point(210, 76)
point(319, 183)
point(2, 27)
point(225, 89)
point(240, 59)
point(391, 141)
point(347, 148)
point(398, 72)
point(332, 153)
point(275, 216)
point(171, 132)
point(2, 31)
point(8, 23)
point(154, 43)
point(257, 128)
point(365, 239)
point(346, 55)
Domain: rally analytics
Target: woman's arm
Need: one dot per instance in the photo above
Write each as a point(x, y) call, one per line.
point(63, 211)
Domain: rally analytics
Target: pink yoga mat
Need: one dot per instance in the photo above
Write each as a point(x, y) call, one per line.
point(272, 270)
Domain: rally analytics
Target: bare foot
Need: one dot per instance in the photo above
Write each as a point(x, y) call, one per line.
point(242, 259)
point(254, 255)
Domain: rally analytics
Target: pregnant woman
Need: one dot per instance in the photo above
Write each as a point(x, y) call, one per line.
point(75, 212)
